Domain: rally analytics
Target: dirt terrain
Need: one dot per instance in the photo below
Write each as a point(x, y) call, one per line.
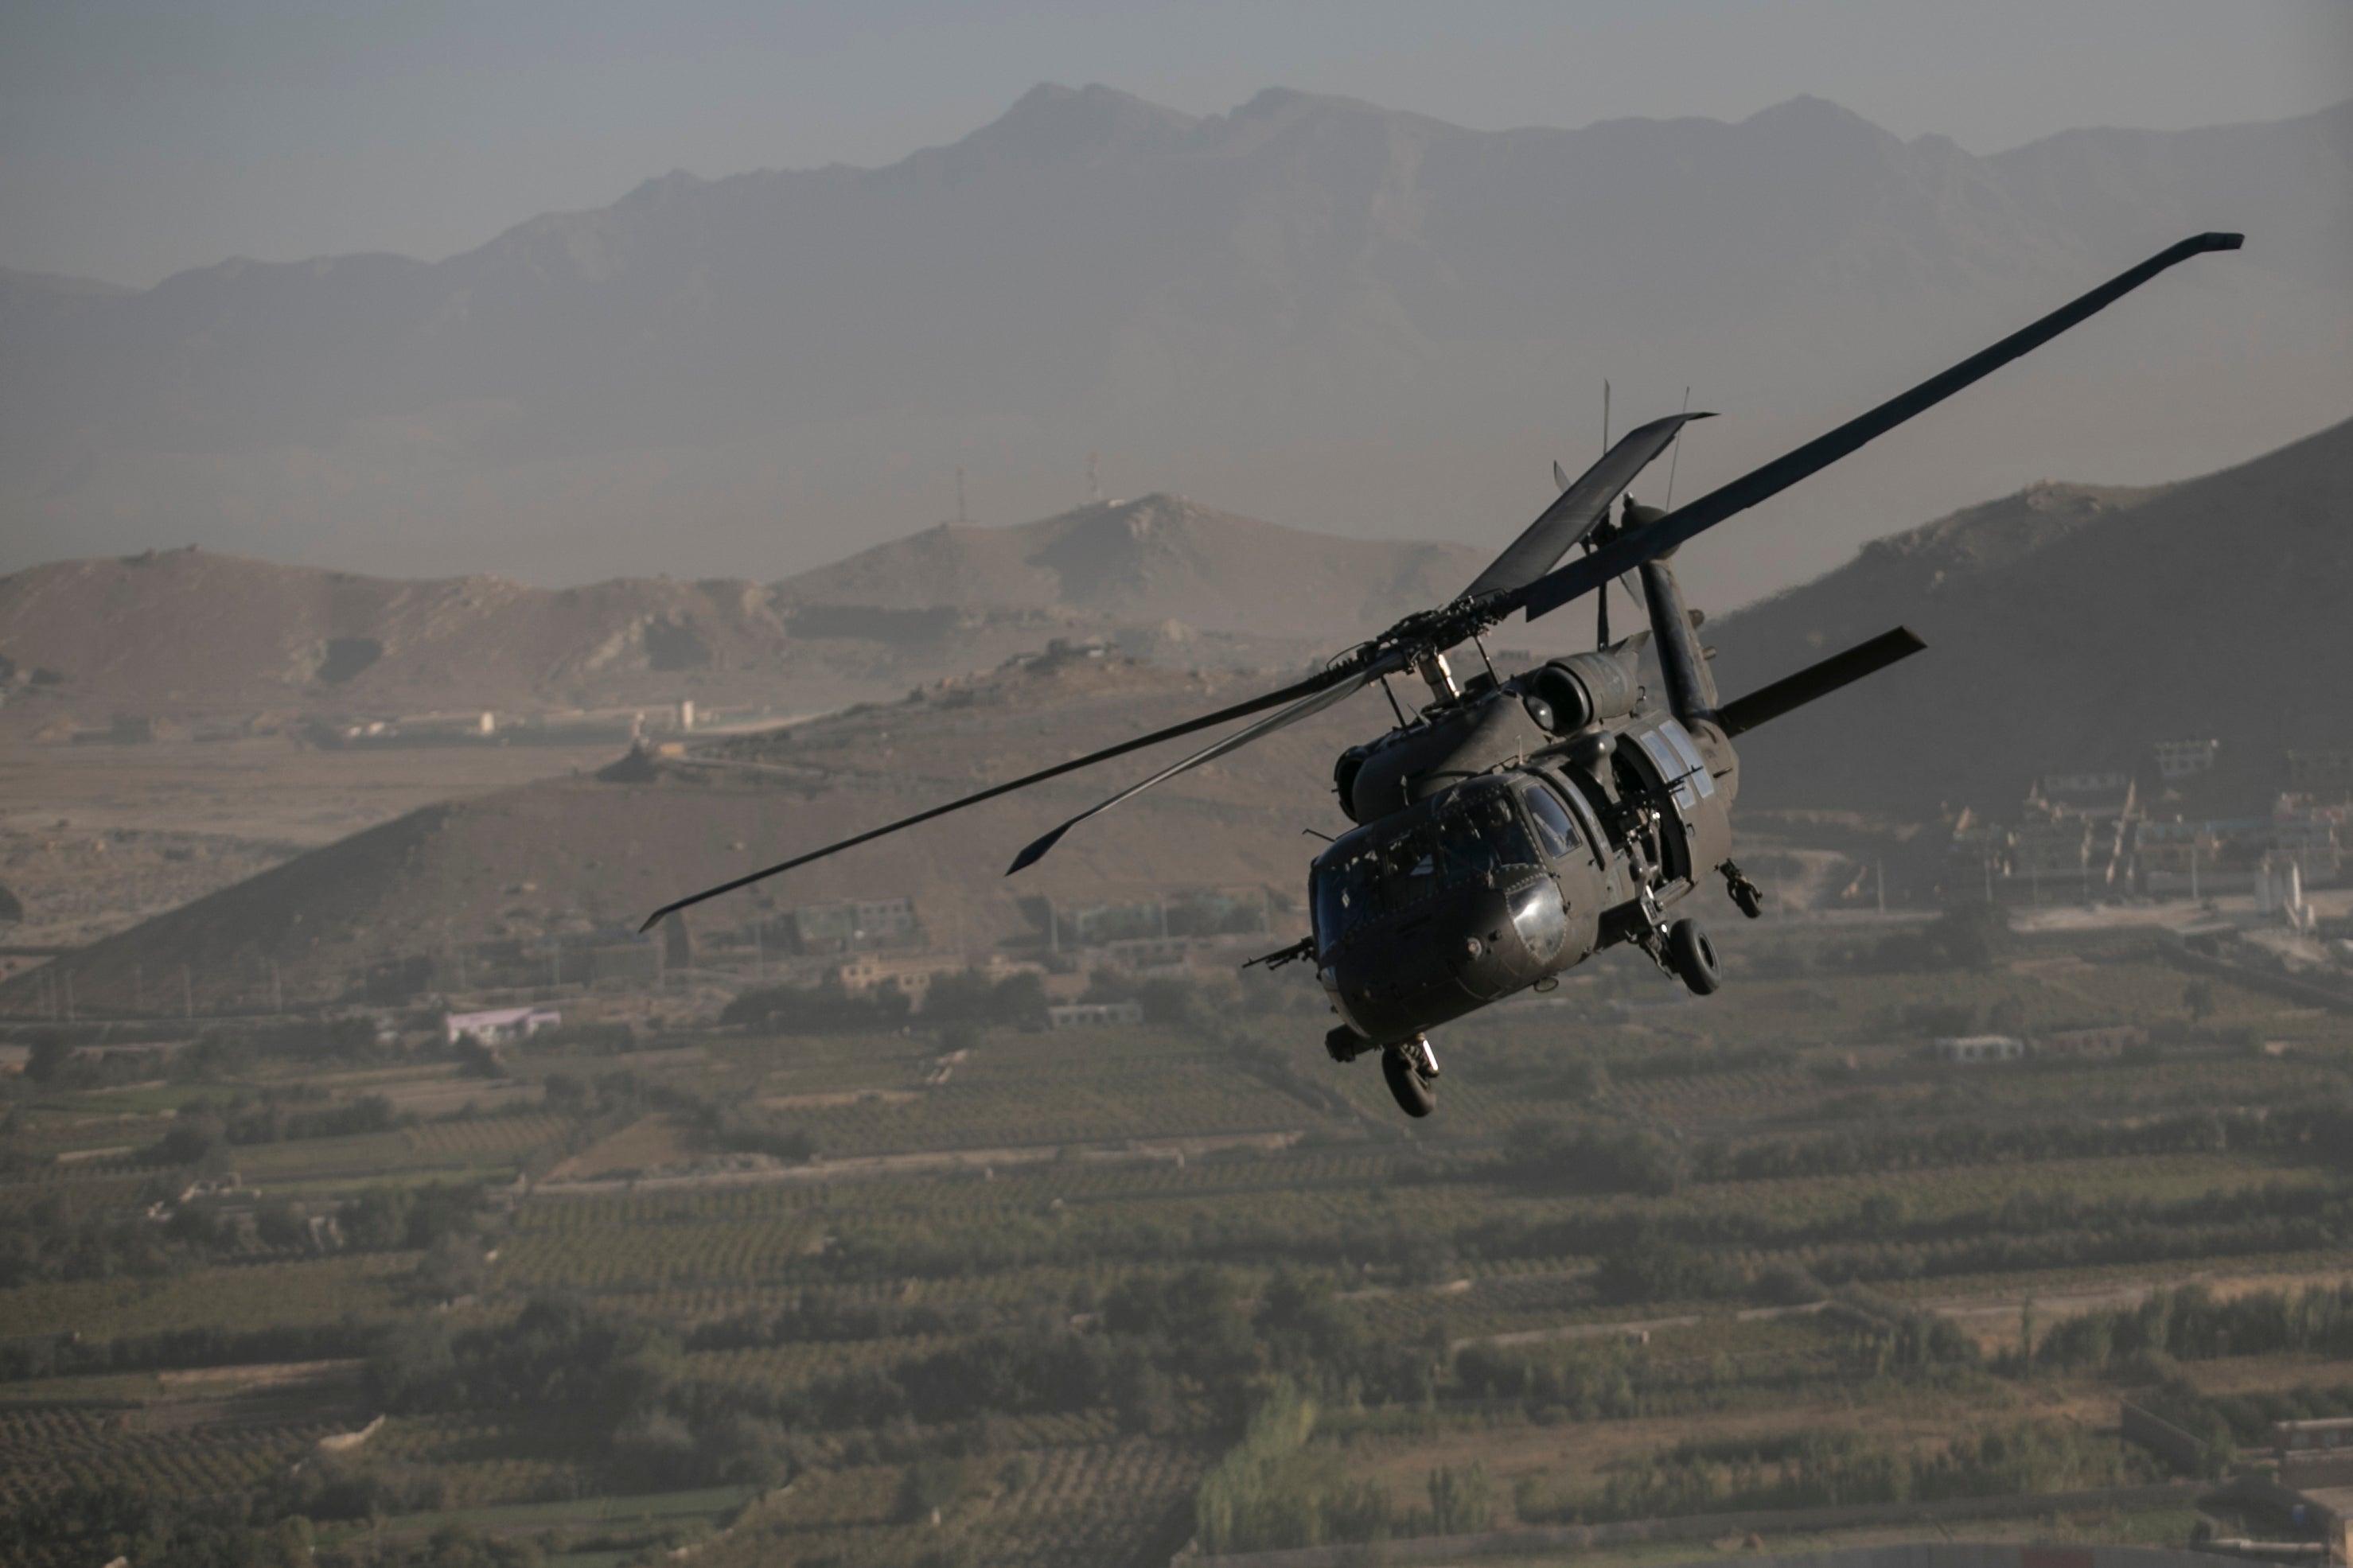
point(96, 838)
point(581, 854)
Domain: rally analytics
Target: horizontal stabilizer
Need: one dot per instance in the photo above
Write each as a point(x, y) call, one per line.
point(1818, 679)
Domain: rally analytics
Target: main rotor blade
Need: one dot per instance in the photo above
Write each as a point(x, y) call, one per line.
point(1320, 681)
point(1305, 707)
point(1579, 507)
point(1548, 592)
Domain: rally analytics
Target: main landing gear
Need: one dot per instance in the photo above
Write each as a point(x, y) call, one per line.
point(1411, 1067)
point(1683, 949)
point(1691, 955)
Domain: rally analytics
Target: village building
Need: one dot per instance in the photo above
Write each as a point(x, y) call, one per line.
point(1094, 1014)
point(500, 1026)
point(1980, 1048)
point(914, 974)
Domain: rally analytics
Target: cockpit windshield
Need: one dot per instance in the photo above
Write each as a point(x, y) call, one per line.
point(1468, 839)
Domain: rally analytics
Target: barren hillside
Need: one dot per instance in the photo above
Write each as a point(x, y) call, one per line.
point(2068, 626)
point(190, 633)
point(1159, 559)
point(576, 856)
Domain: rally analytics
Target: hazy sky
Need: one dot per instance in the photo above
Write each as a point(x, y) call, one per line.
point(139, 138)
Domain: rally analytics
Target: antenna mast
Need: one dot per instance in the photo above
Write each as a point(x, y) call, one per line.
point(1675, 458)
point(1601, 597)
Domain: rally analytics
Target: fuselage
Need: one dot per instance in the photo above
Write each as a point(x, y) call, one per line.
point(1512, 853)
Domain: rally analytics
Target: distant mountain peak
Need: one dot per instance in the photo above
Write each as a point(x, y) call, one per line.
point(662, 188)
point(1051, 122)
point(1284, 101)
point(1807, 110)
point(1156, 557)
point(1806, 127)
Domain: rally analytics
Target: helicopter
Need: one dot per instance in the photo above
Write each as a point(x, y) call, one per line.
point(1513, 825)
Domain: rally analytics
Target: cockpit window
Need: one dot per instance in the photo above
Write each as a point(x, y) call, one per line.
point(1466, 842)
point(1554, 829)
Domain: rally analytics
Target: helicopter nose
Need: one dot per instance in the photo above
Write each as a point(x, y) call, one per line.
point(1539, 918)
point(1444, 960)
point(1513, 940)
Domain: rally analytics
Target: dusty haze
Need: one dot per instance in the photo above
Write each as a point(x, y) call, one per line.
point(1311, 310)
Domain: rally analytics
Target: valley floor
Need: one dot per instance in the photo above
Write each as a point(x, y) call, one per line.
point(94, 838)
point(828, 1302)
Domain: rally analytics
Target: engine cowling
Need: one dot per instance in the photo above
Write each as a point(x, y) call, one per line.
point(1584, 689)
point(1406, 765)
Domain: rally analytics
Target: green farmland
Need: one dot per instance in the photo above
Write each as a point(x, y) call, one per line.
point(1076, 1298)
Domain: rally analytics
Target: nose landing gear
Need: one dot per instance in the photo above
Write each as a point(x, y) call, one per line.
point(1411, 1069)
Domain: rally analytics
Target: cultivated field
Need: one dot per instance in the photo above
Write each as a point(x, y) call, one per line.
point(1076, 1297)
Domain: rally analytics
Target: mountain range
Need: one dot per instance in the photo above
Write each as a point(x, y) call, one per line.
point(1366, 322)
point(190, 634)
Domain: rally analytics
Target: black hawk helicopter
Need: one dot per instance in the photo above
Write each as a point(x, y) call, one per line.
point(1516, 826)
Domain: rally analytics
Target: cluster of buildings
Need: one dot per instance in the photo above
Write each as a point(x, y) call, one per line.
point(2164, 829)
point(644, 726)
point(2111, 1040)
point(499, 1026)
point(641, 726)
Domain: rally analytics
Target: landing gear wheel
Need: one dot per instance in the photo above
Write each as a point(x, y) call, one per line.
point(1342, 1044)
point(1692, 955)
point(1415, 1091)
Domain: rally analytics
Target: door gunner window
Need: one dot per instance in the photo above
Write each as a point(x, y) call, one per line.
point(1466, 843)
point(1673, 771)
point(1554, 829)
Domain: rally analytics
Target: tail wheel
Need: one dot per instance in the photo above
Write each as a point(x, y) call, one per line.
point(1416, 1092)
point(1745, 893)
point(1690, 953)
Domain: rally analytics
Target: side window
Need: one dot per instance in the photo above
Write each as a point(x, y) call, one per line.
point(1672, 768)
point(1695, 767)
point(1553, 826)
